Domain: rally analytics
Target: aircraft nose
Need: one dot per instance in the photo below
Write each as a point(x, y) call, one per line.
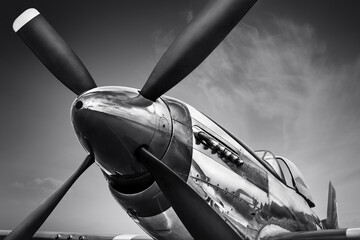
point(116, 121)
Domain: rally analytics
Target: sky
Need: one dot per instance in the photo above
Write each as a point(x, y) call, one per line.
point(285, 79)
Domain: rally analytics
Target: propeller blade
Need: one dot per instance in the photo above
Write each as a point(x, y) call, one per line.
point(194, 44)
point(197, 216)
point(27, 228)
point(52, 51)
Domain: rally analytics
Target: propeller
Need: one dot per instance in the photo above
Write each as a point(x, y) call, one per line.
point(197, 216)
point(53, 51)
point(194, 44)
point(61, 61)
point(188, 50)
point(27, 228)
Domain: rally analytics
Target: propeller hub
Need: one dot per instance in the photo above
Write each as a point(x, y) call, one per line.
point(115, 121)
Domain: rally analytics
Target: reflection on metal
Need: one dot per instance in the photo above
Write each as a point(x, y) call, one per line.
point(179, 154)
point(116, 121)
point(247, 197)
point(148, 202)
point(233, 197)
point(245, 206)
point(133, 215)
point(149, 208)
point(216, 146)
point(164, 226)
point(248, 169)
point(270, 230)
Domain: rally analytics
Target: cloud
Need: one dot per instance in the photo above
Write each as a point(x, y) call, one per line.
point(283, 76)
point(262, 67)
point(47, 184)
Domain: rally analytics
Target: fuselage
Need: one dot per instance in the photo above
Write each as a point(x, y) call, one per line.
point(242, 188)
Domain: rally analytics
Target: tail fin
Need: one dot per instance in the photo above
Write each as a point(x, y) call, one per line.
point(331, 221)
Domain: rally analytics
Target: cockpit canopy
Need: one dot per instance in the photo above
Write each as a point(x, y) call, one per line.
point(288, 172)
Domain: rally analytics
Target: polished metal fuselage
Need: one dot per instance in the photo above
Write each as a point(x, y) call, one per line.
point(230, 178)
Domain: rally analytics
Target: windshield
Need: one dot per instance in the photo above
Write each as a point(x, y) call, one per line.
point(270, 159)
point(288, 172)
point(299, 181)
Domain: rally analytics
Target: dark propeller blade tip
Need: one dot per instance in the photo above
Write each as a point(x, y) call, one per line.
point(194, 44)
point(53, 51)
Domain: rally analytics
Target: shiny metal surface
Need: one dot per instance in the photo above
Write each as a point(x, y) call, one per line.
point(116, 121)
point(146, 203)
point(270, 230)
point(179, 154)
point(232, 196)
point(213, 128)
point(216, 146)
point(164, 226)
point(238, 194)
point(149, 208)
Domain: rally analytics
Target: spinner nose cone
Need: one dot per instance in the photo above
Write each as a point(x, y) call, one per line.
point(115, 121)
